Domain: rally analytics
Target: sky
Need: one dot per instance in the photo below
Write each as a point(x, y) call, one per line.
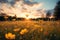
point(21, 8)
point(47, 4)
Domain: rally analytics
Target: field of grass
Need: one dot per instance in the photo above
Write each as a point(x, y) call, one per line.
point(30, 30)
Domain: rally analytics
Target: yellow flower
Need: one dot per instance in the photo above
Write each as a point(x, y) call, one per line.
point(23, 31)
point(10, 36)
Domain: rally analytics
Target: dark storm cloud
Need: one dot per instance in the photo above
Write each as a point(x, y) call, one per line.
point(3, 1)
point(7, 1)
point(29, 2)
point(12, 2)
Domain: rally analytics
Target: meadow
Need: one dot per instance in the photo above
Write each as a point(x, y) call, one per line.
point(30, 30)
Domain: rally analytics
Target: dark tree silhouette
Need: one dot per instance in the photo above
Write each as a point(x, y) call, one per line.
point(57, 11)
point(3, 17)
point(48, 14)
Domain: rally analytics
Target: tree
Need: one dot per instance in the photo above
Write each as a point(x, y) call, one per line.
point(48, 14)
point(57, 11)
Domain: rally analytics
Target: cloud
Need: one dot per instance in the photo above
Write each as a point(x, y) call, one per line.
point(3, 0)
point(21, 8)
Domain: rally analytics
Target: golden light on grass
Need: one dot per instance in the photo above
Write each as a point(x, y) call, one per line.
point(16, 29)
point(41, 29)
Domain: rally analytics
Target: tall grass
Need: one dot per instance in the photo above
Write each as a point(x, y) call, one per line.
point(30, 30)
